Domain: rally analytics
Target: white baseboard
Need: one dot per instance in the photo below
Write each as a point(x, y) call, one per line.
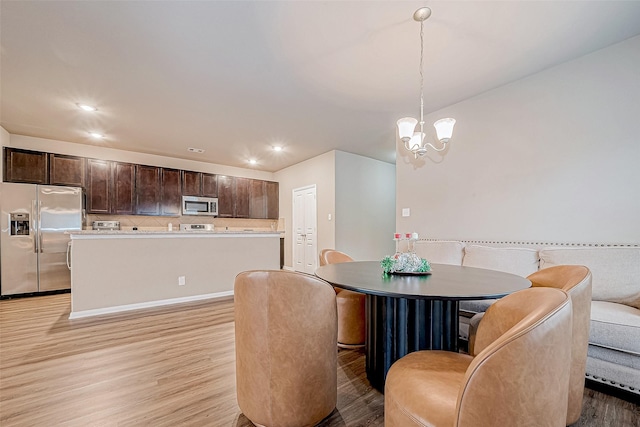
point(150, 304)
point(287, 268)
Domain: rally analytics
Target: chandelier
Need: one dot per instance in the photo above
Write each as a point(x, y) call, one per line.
point(414, 141)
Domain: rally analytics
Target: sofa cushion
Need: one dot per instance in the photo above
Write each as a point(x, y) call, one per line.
point(440, 252)
point(616, 271)
point(518, 261)
point(615, 326)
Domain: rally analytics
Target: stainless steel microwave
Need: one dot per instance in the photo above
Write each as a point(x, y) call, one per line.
point(193, 205)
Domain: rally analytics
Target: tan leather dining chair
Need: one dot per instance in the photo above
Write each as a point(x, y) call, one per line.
point(520, 376)
point(286, 356)
point(576, 281)
point(351, 306)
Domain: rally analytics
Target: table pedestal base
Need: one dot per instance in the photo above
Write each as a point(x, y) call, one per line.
point(399, 326)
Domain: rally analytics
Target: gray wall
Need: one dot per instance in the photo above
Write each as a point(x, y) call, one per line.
point(365, 200)
point(552, 157)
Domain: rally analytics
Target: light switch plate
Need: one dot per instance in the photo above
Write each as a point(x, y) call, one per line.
point(406, 212)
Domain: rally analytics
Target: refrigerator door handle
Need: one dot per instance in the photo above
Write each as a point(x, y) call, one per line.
point(33, 226)
point(40, 227)
point(69, 255)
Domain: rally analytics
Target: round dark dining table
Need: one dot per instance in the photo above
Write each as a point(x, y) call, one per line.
point(406, 313)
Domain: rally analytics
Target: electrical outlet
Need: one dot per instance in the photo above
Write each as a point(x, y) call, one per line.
point(406, 212)
point(329, 217)
point(181, 281)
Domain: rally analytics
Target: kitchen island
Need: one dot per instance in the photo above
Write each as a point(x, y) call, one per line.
point(113, 271)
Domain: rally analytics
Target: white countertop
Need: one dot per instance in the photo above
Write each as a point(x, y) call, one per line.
point(128, 234)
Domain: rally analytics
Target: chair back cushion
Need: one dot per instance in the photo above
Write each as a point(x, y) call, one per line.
point(520, 261)
point(524, 345)
point(286, 355)
point(331, 256)
point(441, 251)
point(576, 281)
point(616, 271)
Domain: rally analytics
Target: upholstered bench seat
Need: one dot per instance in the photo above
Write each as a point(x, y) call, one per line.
point(615, 326)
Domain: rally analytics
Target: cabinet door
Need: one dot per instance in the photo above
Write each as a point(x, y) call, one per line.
point(98, 189)
point(147, 190)
point(272, 190)
point(26, 166)
point(209, 185)
point(171, 191)
point(241, 198)
point(226, 185)
point(257, 199)
point(124, 195)
point(66, 170)
point(191, 183)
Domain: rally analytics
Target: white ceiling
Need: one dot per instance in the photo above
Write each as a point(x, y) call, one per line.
point(237, 77)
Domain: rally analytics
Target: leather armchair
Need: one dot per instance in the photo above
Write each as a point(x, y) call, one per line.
point(351, 306)
point(576, 281)
point(520, 376)
point(286, 357)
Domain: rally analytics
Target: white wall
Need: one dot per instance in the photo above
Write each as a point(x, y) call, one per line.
point(365, 199)
point(554, 157)
point(104, 153)
point(320, 171)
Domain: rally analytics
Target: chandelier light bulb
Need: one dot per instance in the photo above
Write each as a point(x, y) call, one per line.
point(444, 129)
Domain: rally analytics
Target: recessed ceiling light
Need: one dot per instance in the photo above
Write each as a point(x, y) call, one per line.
point(277, 148)
point(96, 135)
point(253, 161)
point(195, 150)
point(86, 107)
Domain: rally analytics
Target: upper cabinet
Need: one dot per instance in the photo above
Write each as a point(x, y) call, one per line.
point(110, 187)
point(171, 192)
point(124, 191)
point(129, 189)
point(209, 185)
point(66, 170)
point(226, 188)
point(263, 199)
point(26, 166)
point(99, 186)
point(147, 190)
point(273, 199)
point(199, 184)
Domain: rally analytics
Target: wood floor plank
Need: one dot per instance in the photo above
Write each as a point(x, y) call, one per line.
point(168, 366)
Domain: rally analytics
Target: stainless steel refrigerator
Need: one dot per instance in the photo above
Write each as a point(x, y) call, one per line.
point(33, 243)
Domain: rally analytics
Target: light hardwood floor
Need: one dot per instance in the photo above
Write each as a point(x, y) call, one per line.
point(171, 366)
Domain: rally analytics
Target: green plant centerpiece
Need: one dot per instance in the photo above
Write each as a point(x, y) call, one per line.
point(407, 262)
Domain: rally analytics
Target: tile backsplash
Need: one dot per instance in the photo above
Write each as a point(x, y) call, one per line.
point(127, 222)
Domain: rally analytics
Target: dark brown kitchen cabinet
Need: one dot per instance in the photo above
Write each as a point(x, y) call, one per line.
point(272, 190)
point(124, 189)
point(257, 199)
point(66, 170)
point(226, 185)
point(199, 184)
point(110, 187)
point(148, 190)
point(263, 199)
point(191, 183)
point(99, 185)
point(209, 185)
point(171, 192)
point(25, 166)
point(241, 198)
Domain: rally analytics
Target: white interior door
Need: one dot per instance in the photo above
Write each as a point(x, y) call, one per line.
point(305, 242)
